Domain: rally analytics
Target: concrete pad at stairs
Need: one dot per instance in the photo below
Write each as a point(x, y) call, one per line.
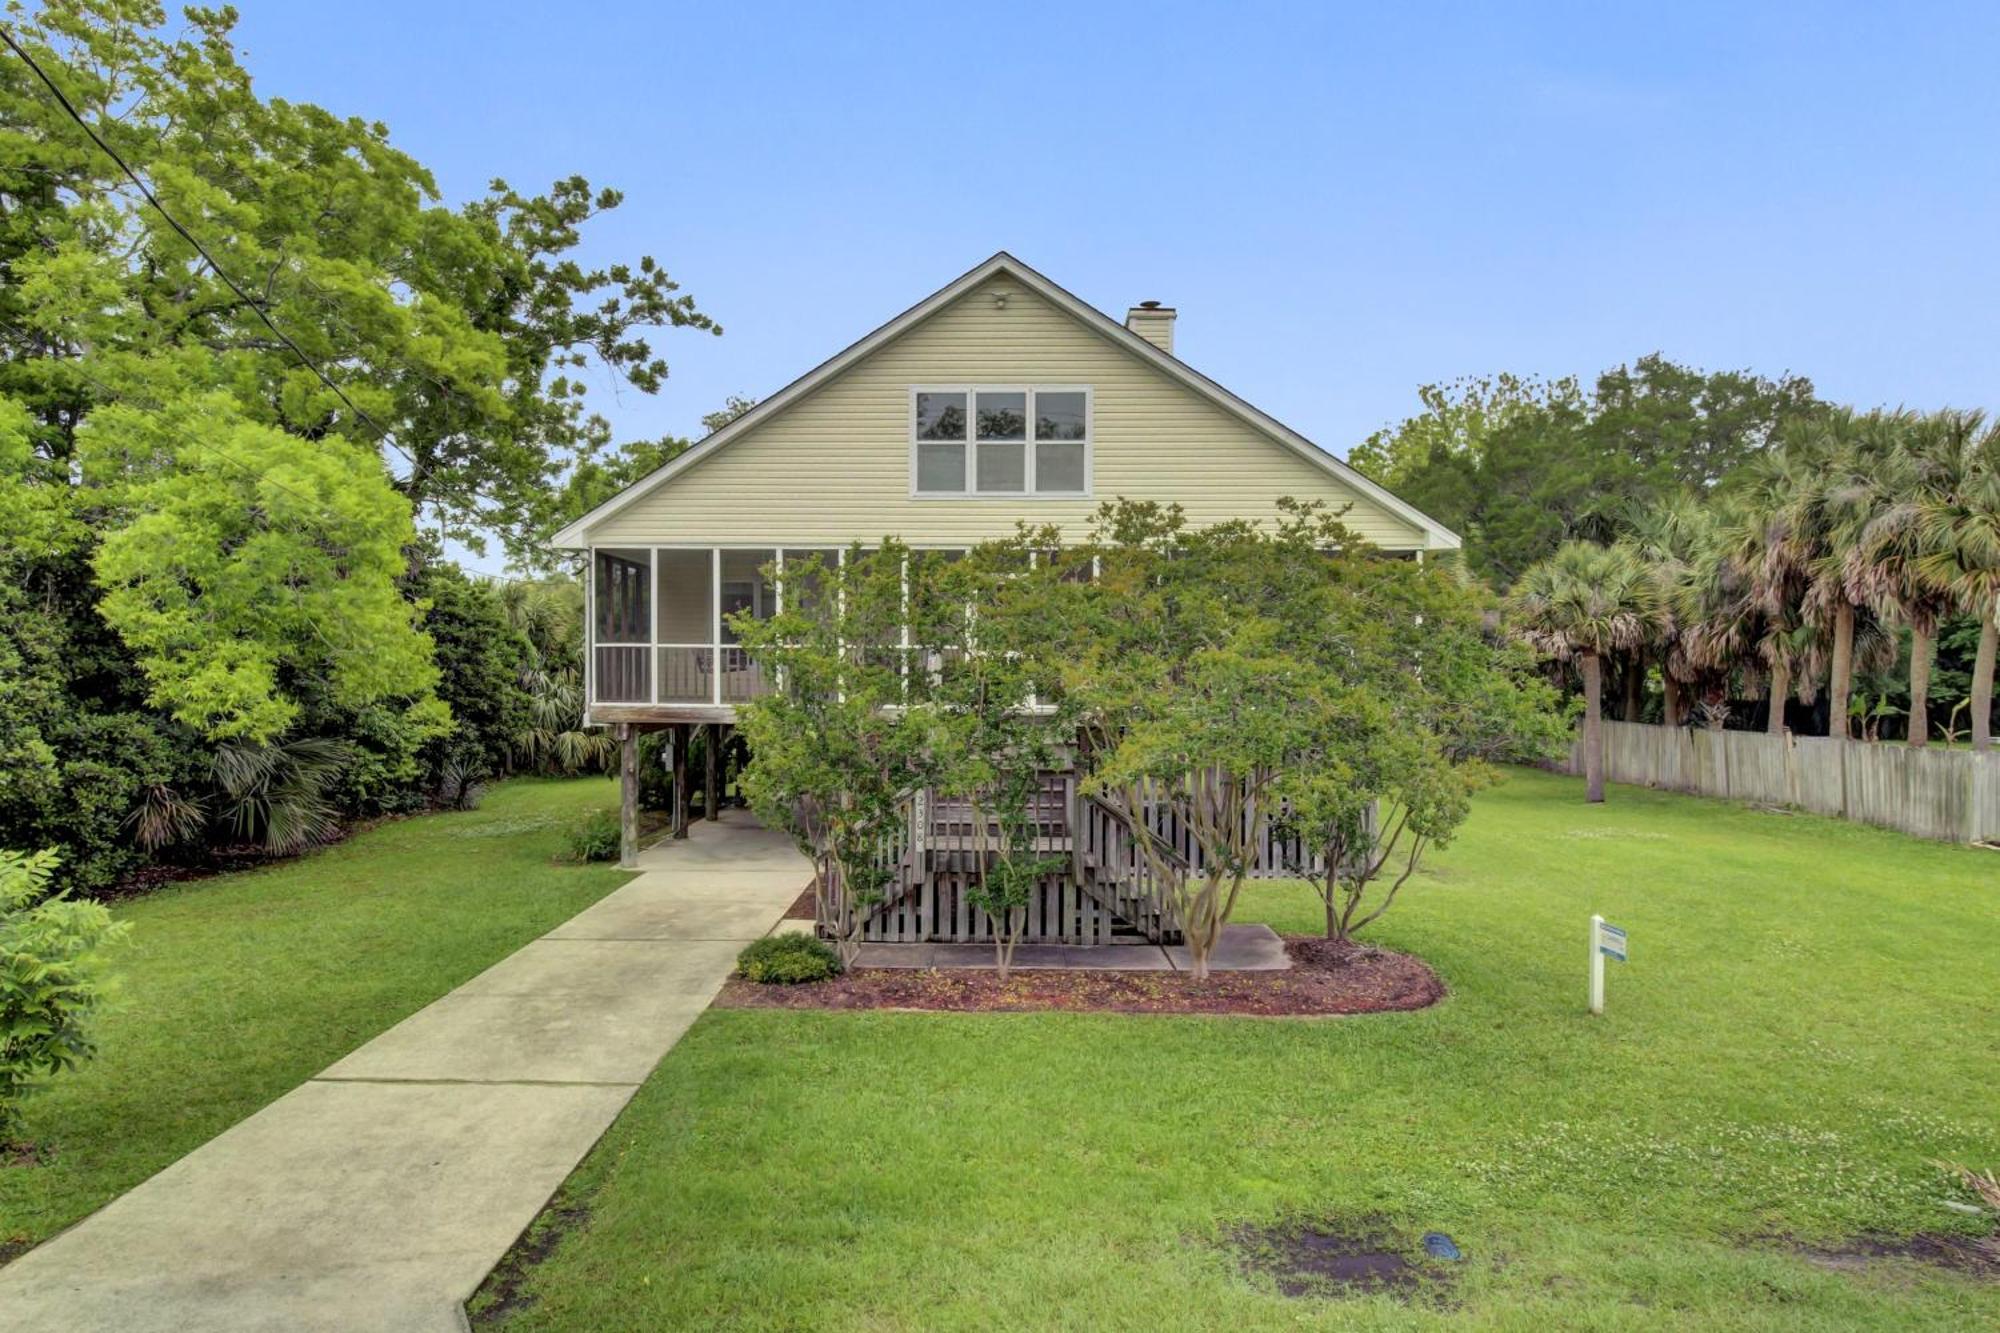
point(1027, 957)
point(655, 907)
point(559, 1010)
point(1242, 948)
point(339, 1206)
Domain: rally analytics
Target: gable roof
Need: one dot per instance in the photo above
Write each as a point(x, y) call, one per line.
point(1437, 536)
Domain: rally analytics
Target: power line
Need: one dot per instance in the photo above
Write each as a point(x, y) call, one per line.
point(416, 469)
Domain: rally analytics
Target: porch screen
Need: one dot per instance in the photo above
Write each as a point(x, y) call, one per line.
point(622, 593)
point(687, 627)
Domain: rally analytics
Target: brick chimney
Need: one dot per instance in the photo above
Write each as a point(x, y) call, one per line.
point(1153, 322)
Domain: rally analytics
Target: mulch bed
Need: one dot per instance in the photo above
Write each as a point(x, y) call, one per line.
point(1325, 978)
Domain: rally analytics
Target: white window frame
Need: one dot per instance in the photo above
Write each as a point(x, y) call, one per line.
point(971, 442)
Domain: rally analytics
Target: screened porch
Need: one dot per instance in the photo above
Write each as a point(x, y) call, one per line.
point(660, 638)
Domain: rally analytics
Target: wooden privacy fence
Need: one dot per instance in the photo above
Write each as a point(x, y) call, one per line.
point(1950, 795)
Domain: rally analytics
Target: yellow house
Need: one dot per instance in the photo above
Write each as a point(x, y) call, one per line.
point(999, 399)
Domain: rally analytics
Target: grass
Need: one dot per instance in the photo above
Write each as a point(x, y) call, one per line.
point(1809, 1017)
point(234, 990)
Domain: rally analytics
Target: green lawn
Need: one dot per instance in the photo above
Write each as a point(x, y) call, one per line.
point(1812, 1011)
point(233, 990)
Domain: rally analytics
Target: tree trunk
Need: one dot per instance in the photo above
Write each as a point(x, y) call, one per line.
point(1635, 687)
point(1593, 726)
point(681, 733)
point(1843, 670)
point(1982, 681)
point(1781, 692)
point(1920, 686)
point(711, 787)
point(1671, 689)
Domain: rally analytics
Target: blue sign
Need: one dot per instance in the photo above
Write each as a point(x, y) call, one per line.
point(1611, 942)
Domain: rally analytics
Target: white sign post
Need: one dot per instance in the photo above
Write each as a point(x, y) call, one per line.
point(1606, 941)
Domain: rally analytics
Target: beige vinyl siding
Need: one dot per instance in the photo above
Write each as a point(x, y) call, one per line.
point(834, 467)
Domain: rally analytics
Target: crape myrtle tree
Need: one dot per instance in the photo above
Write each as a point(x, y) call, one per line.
point(841, 744)
point(980, 621)
point(1184, 706)
point(1226, 677)
point(1426, 694)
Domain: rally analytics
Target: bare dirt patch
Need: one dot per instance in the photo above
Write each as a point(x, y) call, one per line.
point(503, 1294)
point(20, 1153)
point(1976, 1257)
point(1330, 1261)
point(1325, 978)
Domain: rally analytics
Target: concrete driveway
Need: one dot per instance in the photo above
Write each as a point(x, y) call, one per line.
point(379, 1194)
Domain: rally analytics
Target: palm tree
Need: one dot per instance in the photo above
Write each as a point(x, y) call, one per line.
point(1673, 538)
point(1958, 536)
point(1908, 457)
point(1582, 604)
point(1803, 506)
point(1757, 581)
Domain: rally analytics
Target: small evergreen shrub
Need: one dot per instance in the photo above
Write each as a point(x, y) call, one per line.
point(595, 837)
point(50, 985)
point(788, 960)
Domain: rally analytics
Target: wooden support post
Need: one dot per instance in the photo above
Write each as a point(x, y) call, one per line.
point(712, 788)
point(682, 731)
point(628, 796)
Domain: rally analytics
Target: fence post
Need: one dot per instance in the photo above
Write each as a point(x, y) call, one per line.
point(1978, 780)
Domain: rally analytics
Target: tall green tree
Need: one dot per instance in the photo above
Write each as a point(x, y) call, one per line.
point(208, 489)
point(1519, 466)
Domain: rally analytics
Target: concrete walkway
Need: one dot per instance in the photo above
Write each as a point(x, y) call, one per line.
point(379, 1194)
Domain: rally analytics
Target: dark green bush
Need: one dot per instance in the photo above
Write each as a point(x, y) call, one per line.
point(595, 837)
point(788, 959)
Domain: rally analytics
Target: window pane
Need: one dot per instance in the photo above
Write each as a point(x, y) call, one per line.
point(687, 597)
point(623, 596)
point(940, 467)
point(1059, 468)
point(1003, 467)
point(940, 416)
point(1003, 416)
point(1060, 416)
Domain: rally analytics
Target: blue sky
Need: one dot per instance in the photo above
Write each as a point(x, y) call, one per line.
point(1344, 202)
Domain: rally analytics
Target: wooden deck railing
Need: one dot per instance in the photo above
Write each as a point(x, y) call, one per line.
point(1106, 891)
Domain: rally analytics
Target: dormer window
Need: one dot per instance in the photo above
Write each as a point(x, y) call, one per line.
point(995, 440)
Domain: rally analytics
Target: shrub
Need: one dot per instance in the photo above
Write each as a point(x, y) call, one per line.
point(788, 959)
point(49, 945)
point(595, 837)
